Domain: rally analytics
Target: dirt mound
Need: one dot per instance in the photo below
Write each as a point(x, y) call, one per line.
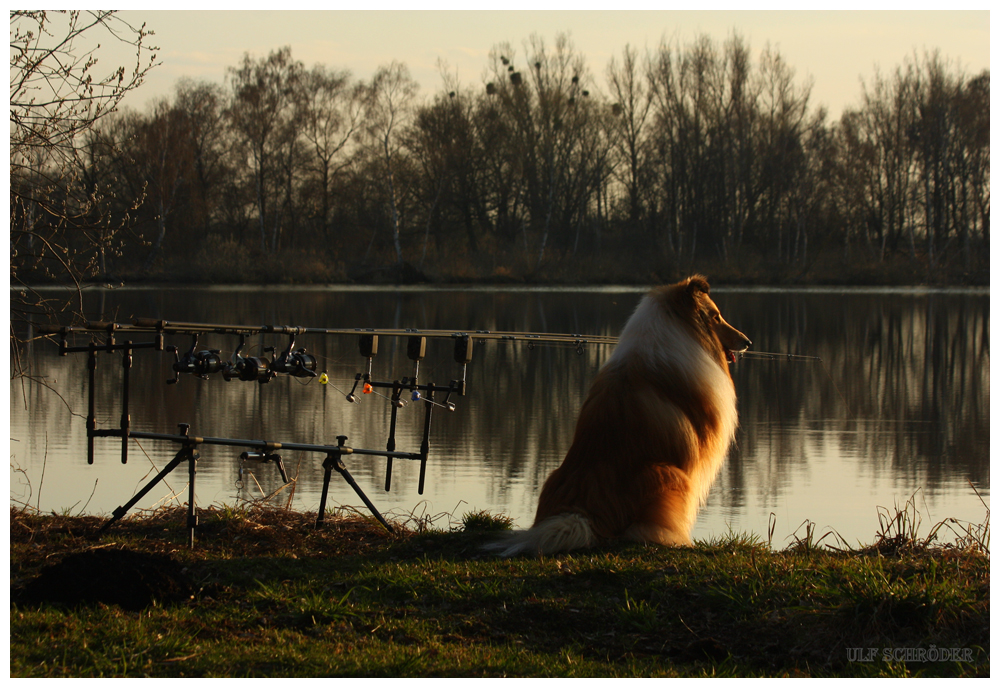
point(132, 580)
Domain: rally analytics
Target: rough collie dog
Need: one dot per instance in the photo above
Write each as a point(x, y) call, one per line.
point(652, 434)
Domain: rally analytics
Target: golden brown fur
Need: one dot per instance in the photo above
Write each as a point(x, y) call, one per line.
point(652, 433)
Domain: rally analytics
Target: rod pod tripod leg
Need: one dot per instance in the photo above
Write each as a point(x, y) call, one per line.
point(188, 453)
point(334, 463)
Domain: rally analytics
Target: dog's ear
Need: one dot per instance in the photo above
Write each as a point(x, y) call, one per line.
point(696, 284)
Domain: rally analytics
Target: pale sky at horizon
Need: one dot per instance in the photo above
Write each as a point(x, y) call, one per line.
point(835, 49)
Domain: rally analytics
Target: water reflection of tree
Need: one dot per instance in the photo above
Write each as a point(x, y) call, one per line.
point(903, 384)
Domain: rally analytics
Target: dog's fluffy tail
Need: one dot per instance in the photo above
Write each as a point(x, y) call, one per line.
point(559, 533)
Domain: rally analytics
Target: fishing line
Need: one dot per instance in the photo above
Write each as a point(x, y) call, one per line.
point(772, 356)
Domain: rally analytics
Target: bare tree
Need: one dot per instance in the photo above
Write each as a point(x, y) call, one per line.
point(631, 106)
point(547, 115)
point(60, 224)
point(204, 105)
point(261, 114)
point(888, 113)
point(446, 152)
point(166, 154)
point(329, 110)
point(915, 162)
point(390, 99)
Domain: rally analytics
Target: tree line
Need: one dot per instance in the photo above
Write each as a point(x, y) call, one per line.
point(699, 155)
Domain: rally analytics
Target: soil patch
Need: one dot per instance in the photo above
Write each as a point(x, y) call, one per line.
point(129, 579)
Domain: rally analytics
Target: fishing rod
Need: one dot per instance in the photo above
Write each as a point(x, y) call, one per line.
point(296, 362)
point(151, 325)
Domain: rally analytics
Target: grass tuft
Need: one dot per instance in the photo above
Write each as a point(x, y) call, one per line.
point(484, 521)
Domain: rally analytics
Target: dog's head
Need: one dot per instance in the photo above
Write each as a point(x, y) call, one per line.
point(706, 318)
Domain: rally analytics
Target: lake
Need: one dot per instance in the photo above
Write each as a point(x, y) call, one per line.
point(896, 409)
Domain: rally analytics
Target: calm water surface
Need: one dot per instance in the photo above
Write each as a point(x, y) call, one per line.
point(898, 407)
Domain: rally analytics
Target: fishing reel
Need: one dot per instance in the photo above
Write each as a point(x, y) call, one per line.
point(247, 368)
point(295, 363)
point(201, 364)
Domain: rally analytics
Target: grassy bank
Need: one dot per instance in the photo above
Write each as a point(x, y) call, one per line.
point(265, 593)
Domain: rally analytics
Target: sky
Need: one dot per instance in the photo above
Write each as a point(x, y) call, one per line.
point(834, 50)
